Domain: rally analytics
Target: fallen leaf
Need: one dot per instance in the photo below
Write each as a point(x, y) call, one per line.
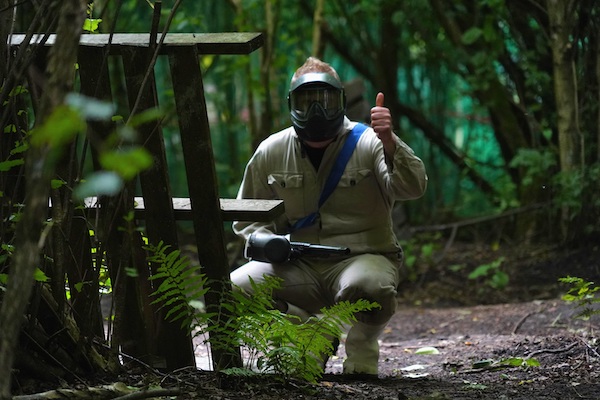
point(427, 350)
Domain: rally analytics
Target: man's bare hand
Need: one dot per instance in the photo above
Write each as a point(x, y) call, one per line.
point(381, 122)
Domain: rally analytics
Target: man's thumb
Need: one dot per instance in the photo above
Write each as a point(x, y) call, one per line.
point(379, 100)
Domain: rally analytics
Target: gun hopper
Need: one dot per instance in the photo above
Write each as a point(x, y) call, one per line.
point(271, 248)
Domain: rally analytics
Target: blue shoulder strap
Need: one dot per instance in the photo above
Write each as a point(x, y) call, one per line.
point(336, 173)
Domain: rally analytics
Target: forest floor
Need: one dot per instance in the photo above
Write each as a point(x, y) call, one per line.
point(480, 333)
point(486, 339)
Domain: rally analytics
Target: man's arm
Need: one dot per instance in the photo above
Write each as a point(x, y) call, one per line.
point(381, 122)
point(406, 173)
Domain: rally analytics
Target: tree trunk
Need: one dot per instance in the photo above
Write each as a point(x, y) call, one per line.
point(598, 99)
point(39, 171)
point(318, 46)
point(562, 17)
point(5, 18)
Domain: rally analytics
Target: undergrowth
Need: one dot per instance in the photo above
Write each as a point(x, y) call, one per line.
point(272, 342)
point(585, 295)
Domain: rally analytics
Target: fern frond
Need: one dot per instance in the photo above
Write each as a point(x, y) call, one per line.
point(278, 343)
point(180, 284)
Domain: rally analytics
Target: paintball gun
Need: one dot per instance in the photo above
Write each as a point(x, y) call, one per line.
point(271, 248)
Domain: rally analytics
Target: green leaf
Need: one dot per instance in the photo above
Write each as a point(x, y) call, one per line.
point(59, 128)
point(427, 350)
point(483, 364)
point(197, 305)
point(19, 149)
point(99, 183)
point(471, 36)
point(482, 270)
point(91, 24)
point(91, 108)
point(513, 361)
point(149, 115)
point(131, 272)
point(128, 162)
point(79, 286)
point(18, 90)
point(57, 183)
point(7, 165)
point(40, 276)
point(532, 362)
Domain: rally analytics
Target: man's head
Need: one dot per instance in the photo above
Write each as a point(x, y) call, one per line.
point(317, 101)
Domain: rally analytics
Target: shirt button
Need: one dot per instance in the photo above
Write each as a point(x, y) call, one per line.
point(282, 184)
point(353, 182)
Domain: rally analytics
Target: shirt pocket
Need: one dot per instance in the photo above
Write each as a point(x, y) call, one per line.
point(356, 193)
point(354, 178)
point(289, 186)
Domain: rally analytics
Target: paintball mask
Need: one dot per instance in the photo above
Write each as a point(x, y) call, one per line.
point(317, 103)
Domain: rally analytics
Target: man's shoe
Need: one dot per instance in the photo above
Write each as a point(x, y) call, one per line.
point(336, 344)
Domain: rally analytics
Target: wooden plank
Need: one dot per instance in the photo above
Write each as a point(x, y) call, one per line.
point(251, 210)
point(231, 209)
point(203, 190)
point(205, 43)
point(174, 344)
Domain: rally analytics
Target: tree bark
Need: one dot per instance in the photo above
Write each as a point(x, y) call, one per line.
point(562, 17)
point(317, 44)
point(39, 171)
point(5, 18)
point(598, 99)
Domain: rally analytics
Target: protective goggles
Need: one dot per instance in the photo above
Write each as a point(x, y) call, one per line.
point(316, 88)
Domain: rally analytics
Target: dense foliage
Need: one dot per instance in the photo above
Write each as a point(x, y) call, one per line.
point(471, 84)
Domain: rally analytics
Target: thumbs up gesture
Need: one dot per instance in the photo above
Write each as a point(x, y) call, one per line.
point(381, 122)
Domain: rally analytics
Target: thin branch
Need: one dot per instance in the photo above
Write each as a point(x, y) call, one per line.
point(478, 220)
point(552, 351)
point(153, 60)
point(146, 394)
point(522, 320)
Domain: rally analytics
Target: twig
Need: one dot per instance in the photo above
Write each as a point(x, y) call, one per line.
point(593, 350)
point(477, 220)
point(553, 351)
point(46, 353)
point(152, 62)
point(173, 375)
point(522, 320)
point(146, 394)
point(102, 392)
point(132, 358)
point(491, 368)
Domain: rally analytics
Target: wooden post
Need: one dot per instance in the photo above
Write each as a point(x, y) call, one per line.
point(174, 344)
point(203, 187)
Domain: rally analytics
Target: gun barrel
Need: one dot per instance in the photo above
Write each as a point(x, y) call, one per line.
point(317, 250)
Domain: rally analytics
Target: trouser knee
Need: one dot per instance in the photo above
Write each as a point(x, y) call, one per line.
point(385, 298)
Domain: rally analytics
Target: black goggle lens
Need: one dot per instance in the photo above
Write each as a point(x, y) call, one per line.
point(330, 99)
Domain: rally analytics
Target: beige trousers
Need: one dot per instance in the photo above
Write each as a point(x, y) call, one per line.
point(309, 284)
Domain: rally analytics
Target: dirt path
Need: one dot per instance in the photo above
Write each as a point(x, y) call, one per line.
point(473, 342)
point(477, 347)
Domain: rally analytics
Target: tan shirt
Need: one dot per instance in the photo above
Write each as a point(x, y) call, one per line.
point(358, 212)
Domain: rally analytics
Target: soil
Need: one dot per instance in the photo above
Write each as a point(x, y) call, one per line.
point(489, 340)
